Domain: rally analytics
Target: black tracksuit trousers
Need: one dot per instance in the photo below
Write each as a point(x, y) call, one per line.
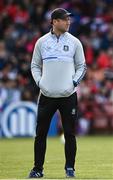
point(46, 108)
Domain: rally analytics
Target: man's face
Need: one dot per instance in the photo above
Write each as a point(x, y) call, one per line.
point(62, 25)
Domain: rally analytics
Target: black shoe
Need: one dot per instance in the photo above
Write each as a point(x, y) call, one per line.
point(35, 174)
point(70, 173)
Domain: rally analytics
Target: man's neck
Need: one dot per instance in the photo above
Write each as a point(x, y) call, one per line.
point(56, 32)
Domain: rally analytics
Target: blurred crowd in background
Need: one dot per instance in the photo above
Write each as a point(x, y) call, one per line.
point(22, 22)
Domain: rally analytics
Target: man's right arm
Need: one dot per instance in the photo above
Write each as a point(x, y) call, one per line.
point(36, 64)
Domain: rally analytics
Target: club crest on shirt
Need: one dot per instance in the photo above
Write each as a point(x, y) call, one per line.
point(66, 48)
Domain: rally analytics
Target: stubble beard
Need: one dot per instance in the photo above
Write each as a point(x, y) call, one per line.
point(64, 30)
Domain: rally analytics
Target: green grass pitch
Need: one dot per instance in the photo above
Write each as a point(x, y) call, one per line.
point(94, 158)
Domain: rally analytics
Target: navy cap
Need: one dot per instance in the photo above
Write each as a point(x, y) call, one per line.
point(59, 13)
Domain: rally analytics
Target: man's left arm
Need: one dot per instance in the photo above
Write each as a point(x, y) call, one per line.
point(80, 65)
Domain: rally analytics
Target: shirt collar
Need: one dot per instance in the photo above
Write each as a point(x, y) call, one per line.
point(54, 35)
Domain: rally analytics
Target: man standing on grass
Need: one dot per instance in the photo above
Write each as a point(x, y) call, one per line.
point(58, 66)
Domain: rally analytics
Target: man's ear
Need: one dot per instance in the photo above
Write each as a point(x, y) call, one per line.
point(54, 21)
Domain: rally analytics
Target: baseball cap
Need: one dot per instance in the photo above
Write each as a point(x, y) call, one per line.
point(59, 13)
